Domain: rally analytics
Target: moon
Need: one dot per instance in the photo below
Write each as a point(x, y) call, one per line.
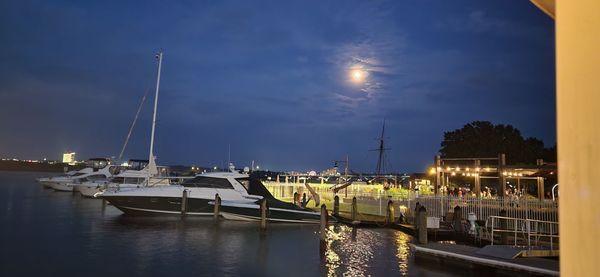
point(357, 75)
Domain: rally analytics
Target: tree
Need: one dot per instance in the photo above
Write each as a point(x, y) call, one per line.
point(481, 139)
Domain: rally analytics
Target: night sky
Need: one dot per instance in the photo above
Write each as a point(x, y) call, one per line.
point(270, 78)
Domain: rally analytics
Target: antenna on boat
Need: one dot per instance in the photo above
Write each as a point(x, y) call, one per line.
point(152, 170)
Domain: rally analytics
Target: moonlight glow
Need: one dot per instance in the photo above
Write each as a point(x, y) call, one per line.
point(357, 75)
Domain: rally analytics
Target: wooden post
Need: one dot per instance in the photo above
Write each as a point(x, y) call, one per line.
point(416, 215)
point(217, 210)
point(304, 199)
point(458, 219)
point(354, 214)
point(184, 202)
point(422, 215)
point(478, 178)
point(540, 181)
point(336, 206)
point(504, 227)
point(438, 174)
point(501, 176)
point(263, 214)
point(323, 222)
point(390, 212)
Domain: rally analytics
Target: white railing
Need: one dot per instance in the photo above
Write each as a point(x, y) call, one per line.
point(374, 202)
point(526, 228)
point(483, 208)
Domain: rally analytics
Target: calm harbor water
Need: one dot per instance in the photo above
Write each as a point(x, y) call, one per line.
point(63, 234)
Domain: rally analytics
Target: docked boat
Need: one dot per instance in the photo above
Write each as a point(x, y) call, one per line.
point(98, 169)
point(135, 175)
point(47, 181)
point(240, 199)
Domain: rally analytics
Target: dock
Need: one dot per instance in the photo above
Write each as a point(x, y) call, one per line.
point(487, 257)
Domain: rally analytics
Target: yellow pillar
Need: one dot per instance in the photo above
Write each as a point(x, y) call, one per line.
point(578, 134)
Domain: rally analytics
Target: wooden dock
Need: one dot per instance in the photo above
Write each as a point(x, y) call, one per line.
point(468, 256)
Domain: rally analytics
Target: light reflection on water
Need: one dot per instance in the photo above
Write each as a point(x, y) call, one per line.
point(402, 241)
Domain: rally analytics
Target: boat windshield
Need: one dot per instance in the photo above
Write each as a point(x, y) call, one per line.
point(245, 182)
point(208, 182)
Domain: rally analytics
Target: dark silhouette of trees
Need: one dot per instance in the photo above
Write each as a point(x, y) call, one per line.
point(481, 139)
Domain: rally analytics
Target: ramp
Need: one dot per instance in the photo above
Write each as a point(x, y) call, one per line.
point(508, 252)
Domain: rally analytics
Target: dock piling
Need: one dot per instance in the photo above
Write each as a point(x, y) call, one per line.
point(504, 227)
point(184, 202)
point(416, 215)
point(336, 206)
point(390, 212)
point(217, 210)
point(422, 230)
point(354, 211)
point(323, 222)
point(457, 222)
point(263, 214)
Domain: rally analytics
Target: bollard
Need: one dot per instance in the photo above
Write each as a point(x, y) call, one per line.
point(217, 210)
point(304, 199)
point(504, 227)
point(336, 206)
point(323, 237)
point(263, 214)
point(422, 215)
point(390, 212)
point(354, 214)
point(323, 222)
point(184, 200)
point(458, 227)
point(416, 216)
point(295, 198)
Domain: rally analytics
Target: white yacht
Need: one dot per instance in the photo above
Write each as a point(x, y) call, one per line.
point(47, 181)
point(98, 169)
point(240, 199)
point(135, 175)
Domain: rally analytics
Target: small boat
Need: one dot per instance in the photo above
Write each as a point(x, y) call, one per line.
point(98, 169)
point(135, 175)
point(47, 181)
point(240, 199)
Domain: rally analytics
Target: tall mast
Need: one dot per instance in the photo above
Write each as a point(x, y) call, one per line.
point(151, 161)
point(380, 161)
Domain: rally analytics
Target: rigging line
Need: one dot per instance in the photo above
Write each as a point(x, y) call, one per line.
point(133, 122)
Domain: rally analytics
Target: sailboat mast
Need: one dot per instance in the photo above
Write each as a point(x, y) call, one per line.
point(159, 56)
point(380, 161)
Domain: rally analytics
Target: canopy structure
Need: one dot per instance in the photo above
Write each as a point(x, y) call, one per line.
point(547, 6)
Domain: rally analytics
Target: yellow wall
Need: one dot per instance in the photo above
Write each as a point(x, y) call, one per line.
point(578, 127)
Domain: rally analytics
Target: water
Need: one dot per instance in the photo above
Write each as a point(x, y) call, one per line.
point(58, 233)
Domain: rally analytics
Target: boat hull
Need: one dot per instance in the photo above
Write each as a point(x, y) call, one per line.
point(62, 186)
point(150, 205)
point(153, 206)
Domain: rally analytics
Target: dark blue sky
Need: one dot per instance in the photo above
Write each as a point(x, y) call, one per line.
point(270, 78)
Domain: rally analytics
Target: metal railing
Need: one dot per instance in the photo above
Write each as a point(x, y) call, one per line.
point(373, 201)
point(526, 228)
point(483, 208)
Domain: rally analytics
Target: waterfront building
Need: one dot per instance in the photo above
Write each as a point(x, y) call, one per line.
point(69, 158)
